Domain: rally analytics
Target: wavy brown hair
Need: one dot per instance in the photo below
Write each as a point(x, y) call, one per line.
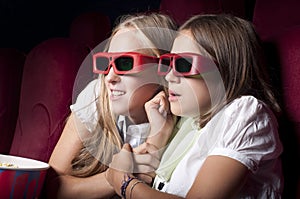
point(156, 31)
point(234, 45)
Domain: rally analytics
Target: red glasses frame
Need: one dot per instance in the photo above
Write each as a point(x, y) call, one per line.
point(185, 64)
point(139, 62)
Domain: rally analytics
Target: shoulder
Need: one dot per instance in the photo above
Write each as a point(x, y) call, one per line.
point(87, 96)
point(248, 108)
point(247, 130)
point(85, 107)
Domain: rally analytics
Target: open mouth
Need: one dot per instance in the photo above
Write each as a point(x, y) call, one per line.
point(173, 94)
point(117, 93)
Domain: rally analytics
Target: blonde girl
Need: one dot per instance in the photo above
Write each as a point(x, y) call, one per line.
point(110, 110)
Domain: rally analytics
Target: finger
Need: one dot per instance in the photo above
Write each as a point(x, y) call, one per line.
point(123, 161)
point(145, 148)
point(127, 147)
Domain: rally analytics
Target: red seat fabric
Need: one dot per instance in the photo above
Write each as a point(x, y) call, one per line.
point(288, 46)
point(90, 28)
point(288, 49)
point(272, 17)
point(181, 10)
point(46, 94)
point(11, 66)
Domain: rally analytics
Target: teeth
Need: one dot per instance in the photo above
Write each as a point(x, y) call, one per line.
point(117, 93)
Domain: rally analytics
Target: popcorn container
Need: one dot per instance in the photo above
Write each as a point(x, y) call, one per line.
point(21, 178)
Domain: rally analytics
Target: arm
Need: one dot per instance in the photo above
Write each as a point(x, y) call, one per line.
point(122, 166)
point(60, 184)
point(147, 155)
point(161, 120)
point(219, 177)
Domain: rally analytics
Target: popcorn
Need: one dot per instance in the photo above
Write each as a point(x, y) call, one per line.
point(2, 164)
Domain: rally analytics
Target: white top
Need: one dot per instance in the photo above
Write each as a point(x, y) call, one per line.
point(85, 109)
point(245, 130)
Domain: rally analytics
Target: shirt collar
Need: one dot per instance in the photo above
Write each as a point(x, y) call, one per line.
point(134, 134)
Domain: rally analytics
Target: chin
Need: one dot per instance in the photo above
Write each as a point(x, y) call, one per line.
point(120, 111)
point(176, 111)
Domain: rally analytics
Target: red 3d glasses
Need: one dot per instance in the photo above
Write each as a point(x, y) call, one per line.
point(185, 64)
point(122, 63)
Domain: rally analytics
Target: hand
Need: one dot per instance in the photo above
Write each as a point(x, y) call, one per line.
point(147, 158)
point(121, 165)
point(160, 119)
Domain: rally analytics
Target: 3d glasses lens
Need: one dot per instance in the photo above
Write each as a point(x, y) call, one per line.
point(164, 65)
point(124, 63)
point(102, 63)
point(183, 65)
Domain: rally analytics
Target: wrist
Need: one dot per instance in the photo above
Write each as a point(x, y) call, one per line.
point(133, 184)
point(125, 183)
point(127, 186)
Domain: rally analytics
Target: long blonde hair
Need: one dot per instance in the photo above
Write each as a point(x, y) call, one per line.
point(157, 32)
point(234, 45)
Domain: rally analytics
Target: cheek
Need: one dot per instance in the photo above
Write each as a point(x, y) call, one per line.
point(203, 98)
point(194, 100)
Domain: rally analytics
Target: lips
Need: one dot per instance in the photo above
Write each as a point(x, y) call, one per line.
point(173, 93)
point(173, 96)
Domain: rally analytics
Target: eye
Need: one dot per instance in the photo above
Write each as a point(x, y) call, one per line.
point(102, 63)
point(124, 63)
point(183, 65)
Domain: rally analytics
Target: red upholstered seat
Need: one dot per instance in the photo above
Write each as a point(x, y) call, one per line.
point(11, 66)
point(46, 94)
point(181, 10)
point(272, 17)
point(288, 49)
point(90, 28)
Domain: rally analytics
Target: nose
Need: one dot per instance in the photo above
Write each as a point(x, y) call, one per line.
point(112, 77)
point(170, 77)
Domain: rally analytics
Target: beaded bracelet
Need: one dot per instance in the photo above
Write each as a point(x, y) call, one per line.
point(132, 186)
point(125, 184)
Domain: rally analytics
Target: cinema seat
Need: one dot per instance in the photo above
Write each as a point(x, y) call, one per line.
point(90, 28)
point(46, 94)
point(272, 17)
point(181, 10)
point(11, 66)
point(288, 49)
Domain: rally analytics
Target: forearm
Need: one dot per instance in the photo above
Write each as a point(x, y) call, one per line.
point(136, 190)
point(66, 186)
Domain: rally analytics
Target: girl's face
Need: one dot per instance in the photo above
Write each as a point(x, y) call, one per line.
point(129, 93)
point(188, 96)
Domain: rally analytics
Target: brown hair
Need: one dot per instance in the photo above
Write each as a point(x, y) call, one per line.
point(100, 147)
point(234, 45)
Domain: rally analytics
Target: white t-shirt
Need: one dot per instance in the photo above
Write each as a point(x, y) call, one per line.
point(85, 109)
point(245, 130)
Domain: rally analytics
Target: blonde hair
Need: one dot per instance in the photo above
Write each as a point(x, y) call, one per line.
point(156, 31)
point(233, 44)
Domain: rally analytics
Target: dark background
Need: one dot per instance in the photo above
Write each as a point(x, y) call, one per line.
point(25, 23)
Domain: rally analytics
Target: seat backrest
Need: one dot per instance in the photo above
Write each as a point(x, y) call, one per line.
point(90, 28)
point(181, 10)
point(288, 49)
point(46, 94)
point(11, 66)
point(272, 17)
